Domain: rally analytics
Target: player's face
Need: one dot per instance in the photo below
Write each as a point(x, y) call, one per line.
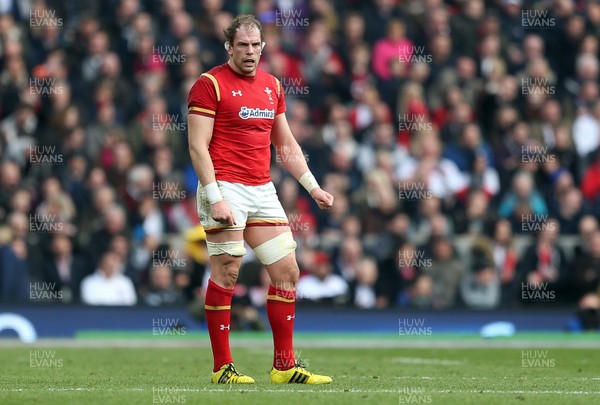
point(245, 52)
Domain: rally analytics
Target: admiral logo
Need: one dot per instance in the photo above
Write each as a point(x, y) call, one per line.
point(246, 113)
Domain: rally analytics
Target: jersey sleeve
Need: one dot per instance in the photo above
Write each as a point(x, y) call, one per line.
point(204, 96)
point(280, 98)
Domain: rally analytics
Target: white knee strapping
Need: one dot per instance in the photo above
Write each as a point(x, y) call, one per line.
point(234, 248)
point(275, 249)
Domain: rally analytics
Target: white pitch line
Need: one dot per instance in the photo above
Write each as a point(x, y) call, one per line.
point(424, 377)
point(424, 360)
point(325, 391)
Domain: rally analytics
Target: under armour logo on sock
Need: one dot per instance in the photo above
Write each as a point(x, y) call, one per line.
point(290, 317)
point(223, 327)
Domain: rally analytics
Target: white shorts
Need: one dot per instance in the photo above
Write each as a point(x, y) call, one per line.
point(250, 205)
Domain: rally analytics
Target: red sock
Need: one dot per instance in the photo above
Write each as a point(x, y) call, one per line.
point(281, 305)
point(218, 309)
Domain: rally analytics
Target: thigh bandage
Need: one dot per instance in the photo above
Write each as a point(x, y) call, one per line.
point(276, 248)
point(233, 248)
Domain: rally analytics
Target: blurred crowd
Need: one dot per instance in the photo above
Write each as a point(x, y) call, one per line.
point(428, 120)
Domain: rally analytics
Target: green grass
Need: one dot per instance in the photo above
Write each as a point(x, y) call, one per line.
point(361, 376)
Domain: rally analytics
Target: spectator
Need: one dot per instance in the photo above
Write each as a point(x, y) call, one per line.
point(114, 222)
point(161, 288)
point(364, 288)
point(586, 131)
point(13, 270)
point(585, 277)
point(543, 265)
point(505, 260)
point(446, 272)
point(426, 167)
point(522, 201)
point(65, 270)
point(590, 184)
point(588, 224)
point(398, 276)
point(394, 46)
point(322, 285)
point(480, 287)
point(570, 211)
point(107, 286)
point(348, 259)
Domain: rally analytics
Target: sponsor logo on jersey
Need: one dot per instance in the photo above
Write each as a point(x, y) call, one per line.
point(246, 113)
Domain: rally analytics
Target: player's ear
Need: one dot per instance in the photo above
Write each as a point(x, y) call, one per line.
point(227, 46)
point(262, 46)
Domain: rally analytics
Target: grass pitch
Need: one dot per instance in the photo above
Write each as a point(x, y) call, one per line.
point(152, 375)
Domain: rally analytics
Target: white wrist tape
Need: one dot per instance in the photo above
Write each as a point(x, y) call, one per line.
point(213, 193)
point(308, 181)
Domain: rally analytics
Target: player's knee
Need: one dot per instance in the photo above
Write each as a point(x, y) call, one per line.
point(292, 274)
point(226, 260)
point(285, 273)
point(226, 273)
point(231, 276)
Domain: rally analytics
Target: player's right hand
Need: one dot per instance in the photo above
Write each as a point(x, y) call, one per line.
point(221, 212)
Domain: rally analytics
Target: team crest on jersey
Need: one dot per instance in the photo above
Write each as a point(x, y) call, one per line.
point(269, 91)
point(246, 113)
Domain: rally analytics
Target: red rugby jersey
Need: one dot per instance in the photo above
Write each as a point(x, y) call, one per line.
point(244, 109)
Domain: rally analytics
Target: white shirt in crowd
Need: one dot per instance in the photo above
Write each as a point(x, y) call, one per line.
point(586, 134)
point(97, 289)
point(444, 181)
point(312, 288)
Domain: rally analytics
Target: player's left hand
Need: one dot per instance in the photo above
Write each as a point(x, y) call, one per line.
point(323, 198)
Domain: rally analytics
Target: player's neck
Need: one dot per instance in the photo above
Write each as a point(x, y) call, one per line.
point(239, 72)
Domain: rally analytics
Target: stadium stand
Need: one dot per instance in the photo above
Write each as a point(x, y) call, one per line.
point(460, 139)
